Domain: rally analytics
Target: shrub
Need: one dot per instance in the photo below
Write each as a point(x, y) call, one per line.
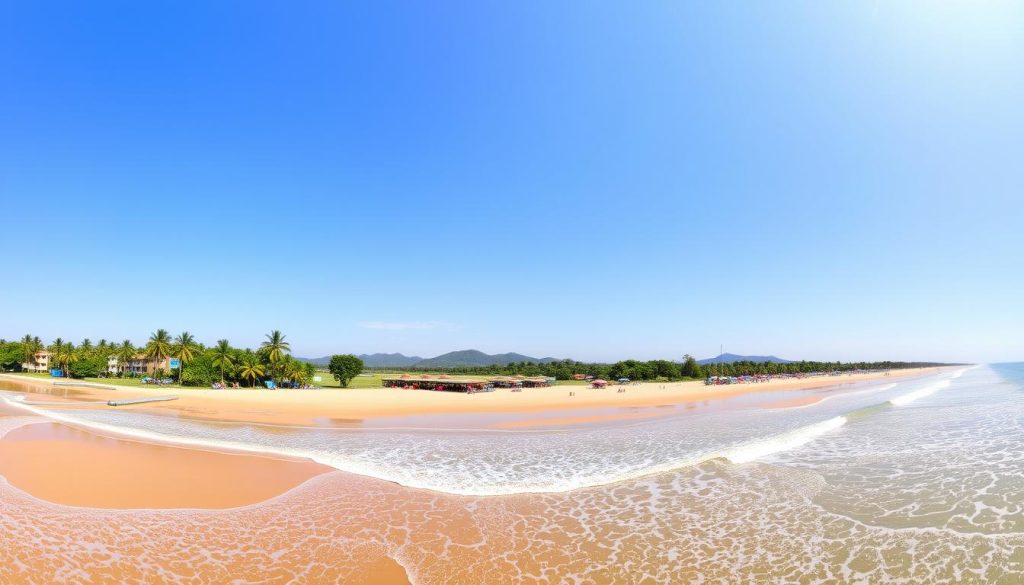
point(200, 372)
point(88, 367)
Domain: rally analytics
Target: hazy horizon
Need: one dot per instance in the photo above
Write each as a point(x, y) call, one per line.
point(815, 181)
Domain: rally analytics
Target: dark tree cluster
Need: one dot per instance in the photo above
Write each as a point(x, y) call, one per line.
point(687, 369)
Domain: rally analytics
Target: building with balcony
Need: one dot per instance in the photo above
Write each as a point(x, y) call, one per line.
point(40, 362)
point(140, 365)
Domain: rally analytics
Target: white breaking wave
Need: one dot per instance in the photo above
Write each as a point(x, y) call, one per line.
point(959, 373)
point(783, 442)
point(918, 394)
point(930, 389)
point(884, 388)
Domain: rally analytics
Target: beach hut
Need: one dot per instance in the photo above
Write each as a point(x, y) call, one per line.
point(434, 382)
point(537, 382)
point(505, 382)
point(598, 383)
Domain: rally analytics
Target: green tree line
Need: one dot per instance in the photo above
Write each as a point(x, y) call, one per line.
point(200, 365)
point(686, 369)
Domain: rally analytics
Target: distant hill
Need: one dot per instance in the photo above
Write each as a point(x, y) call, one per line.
point(320, 361)
point(389, 360)
point(372, 360)
point(472, 357)
point(454, 359)
point(728, 358)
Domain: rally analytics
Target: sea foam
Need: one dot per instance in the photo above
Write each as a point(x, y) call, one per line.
point(918, 394)
point(783, 442)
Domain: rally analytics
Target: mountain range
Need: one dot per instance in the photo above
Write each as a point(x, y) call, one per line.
point(388, 360)
point(473, 357)
point(729, 358)
point(452, 359)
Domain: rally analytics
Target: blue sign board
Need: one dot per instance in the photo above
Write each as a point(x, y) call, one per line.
point(175, 363)
point(56, 373)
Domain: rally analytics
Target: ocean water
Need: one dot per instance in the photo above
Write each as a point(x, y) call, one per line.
point(913, 481)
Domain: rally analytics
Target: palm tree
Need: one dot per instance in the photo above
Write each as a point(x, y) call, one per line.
point(308, 371)
point(32, 345)
point(223, 357)
point(252, 369)
point(37, 344)
point(70, 356)
point(275, 348)
point(125, 354)
point(54, 350)
point(184, 349)
point(294, 370)
point(158, 348)
point(63, 354)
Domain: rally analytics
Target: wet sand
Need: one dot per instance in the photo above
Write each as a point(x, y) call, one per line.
point(65, 465)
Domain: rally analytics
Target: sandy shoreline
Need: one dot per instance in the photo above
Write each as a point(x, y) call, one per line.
point(331, 407)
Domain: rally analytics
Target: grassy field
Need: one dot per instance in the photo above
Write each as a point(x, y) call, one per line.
point(572, 383)
point(328, 381)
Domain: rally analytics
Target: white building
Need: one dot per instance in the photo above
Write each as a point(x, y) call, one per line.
point(40, 362)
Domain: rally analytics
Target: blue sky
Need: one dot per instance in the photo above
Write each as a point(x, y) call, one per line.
point(835, 180)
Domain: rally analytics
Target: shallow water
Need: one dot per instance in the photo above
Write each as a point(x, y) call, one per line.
point(916, 481)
